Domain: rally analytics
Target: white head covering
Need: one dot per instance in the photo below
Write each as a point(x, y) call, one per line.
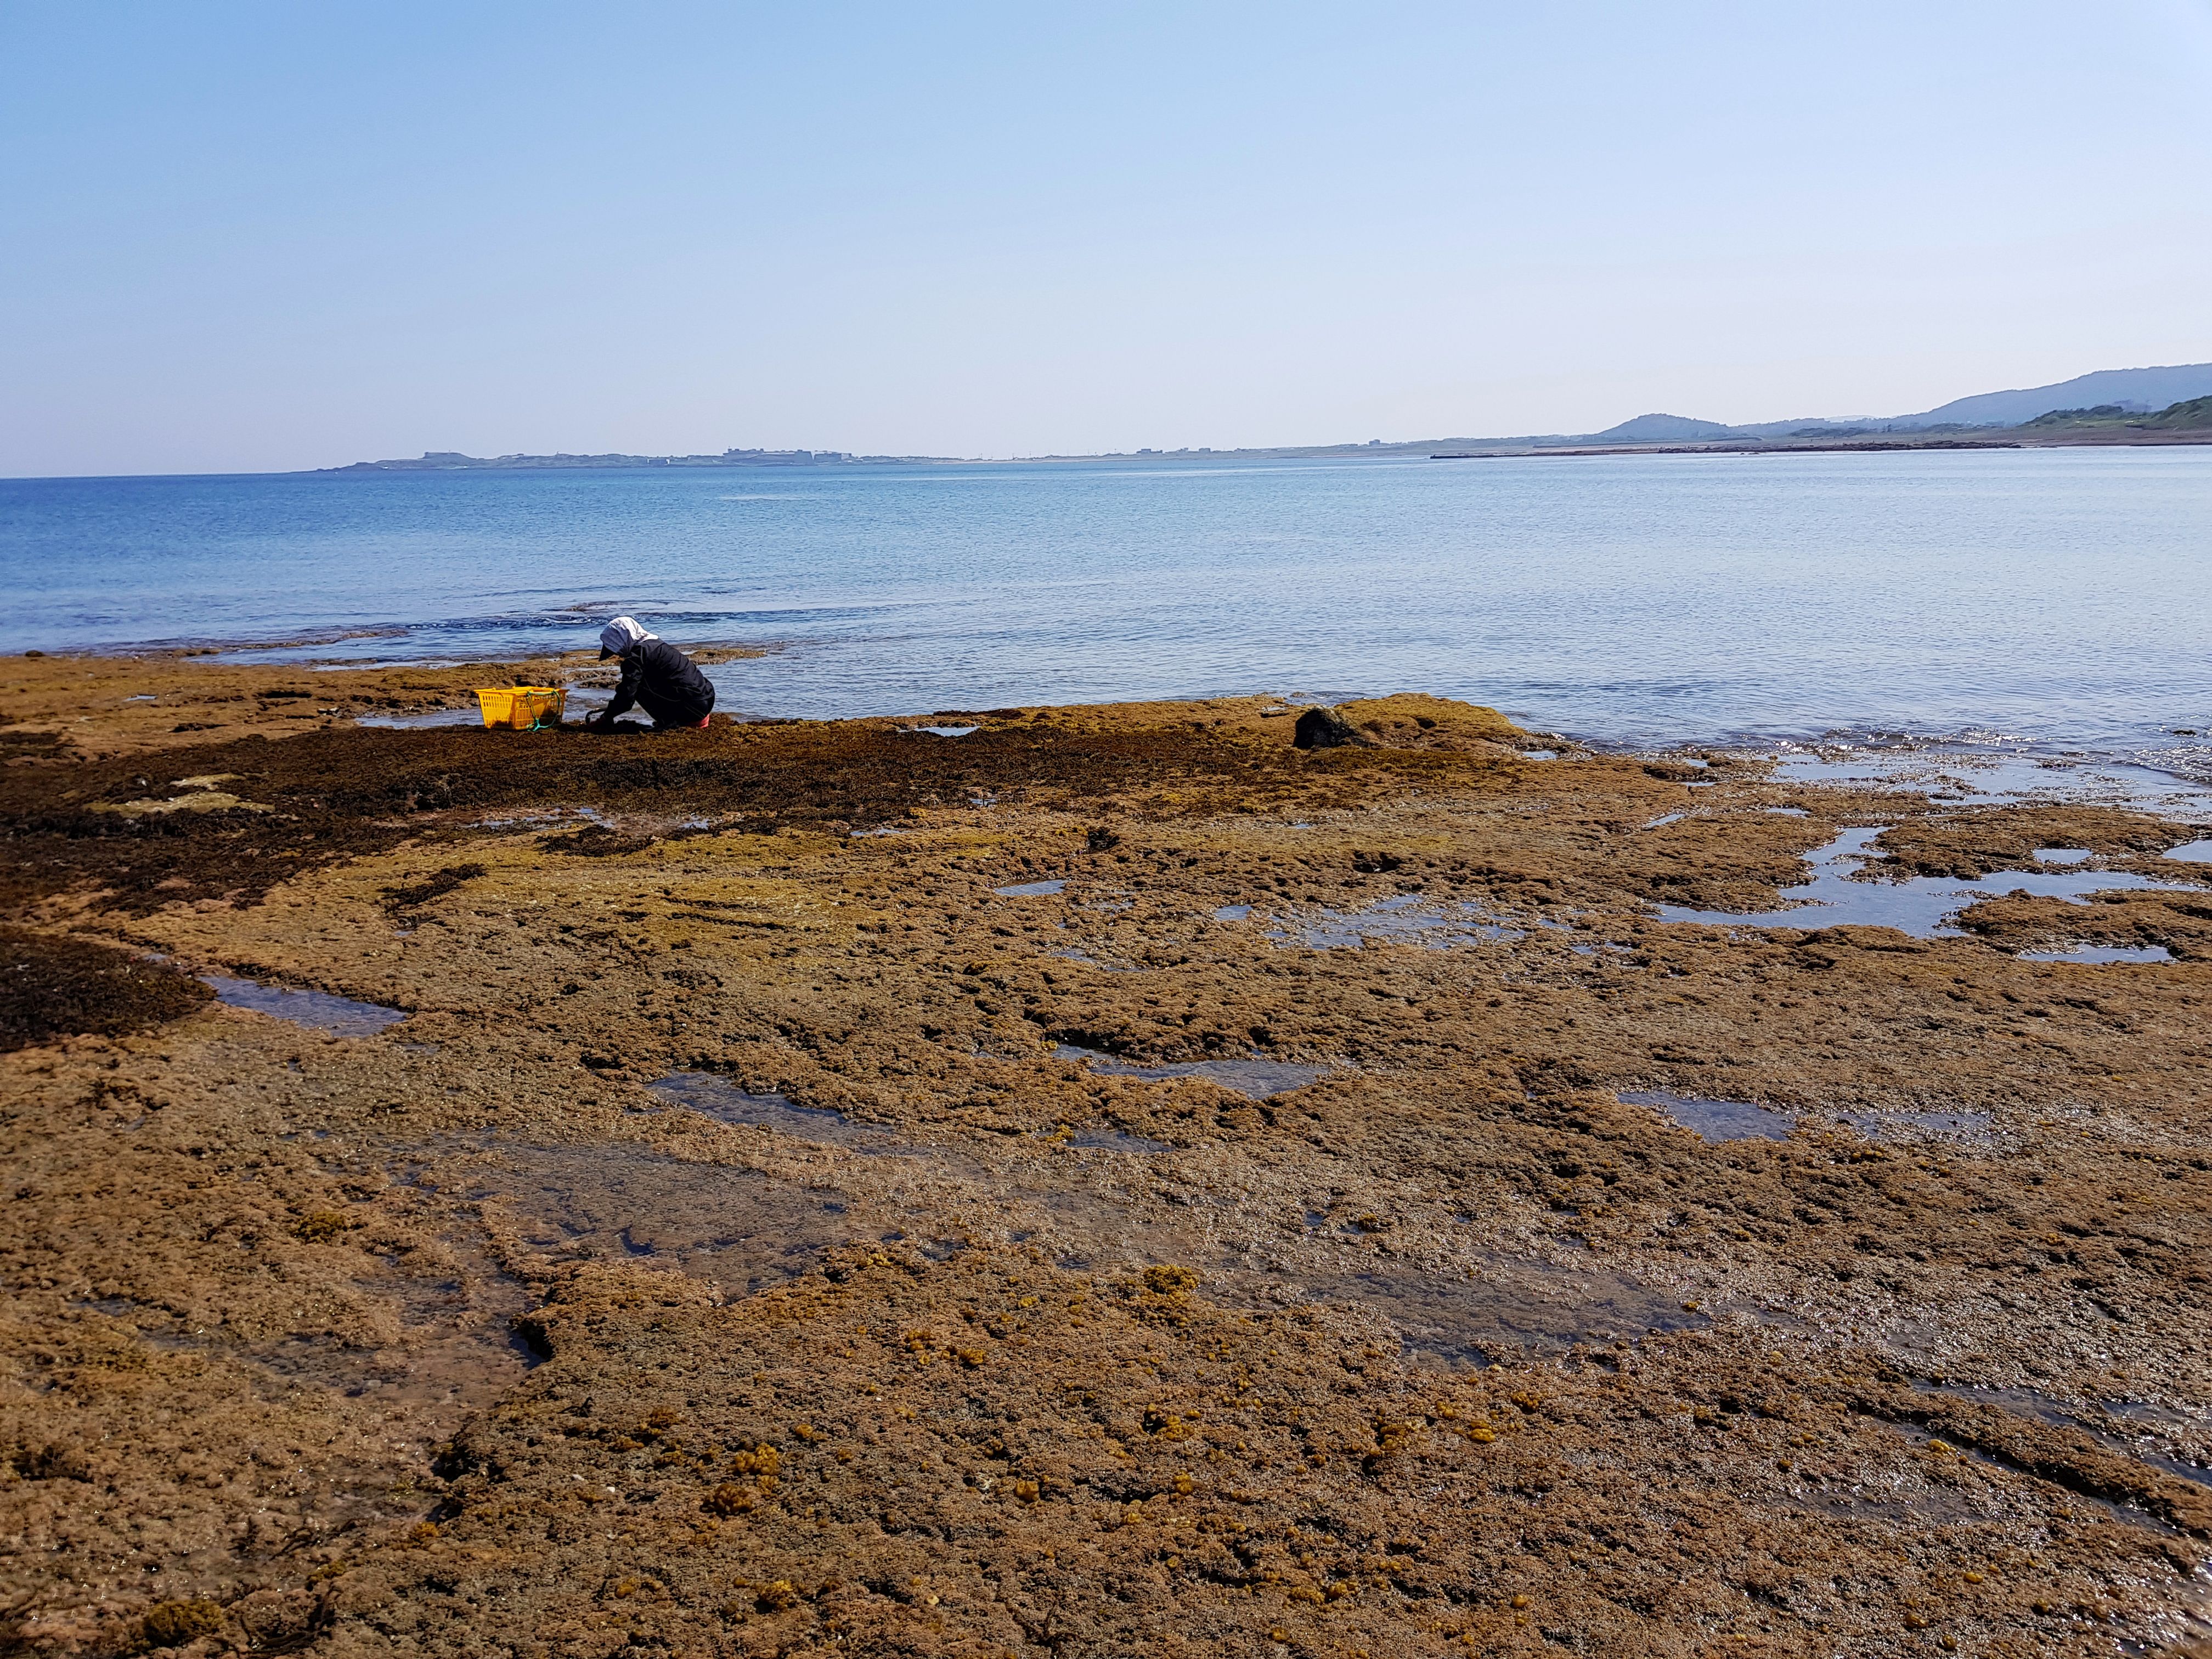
point(620, 635)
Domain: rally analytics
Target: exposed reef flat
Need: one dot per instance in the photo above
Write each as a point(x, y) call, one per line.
point(1108, 1182)
point(82, 706)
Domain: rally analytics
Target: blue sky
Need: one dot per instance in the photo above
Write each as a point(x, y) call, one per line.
point(240, 237)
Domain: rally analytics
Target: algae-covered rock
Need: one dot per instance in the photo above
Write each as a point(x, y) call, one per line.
point(172, 1624)
point(1408, 720)
point(54, 987)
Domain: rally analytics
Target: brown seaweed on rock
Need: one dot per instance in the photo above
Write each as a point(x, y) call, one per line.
point(53, 987)
point(1408, 721)
point(721, 1259)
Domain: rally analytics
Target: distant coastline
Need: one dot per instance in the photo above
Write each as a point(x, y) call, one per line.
point(2104, 425)
point(1437, 449)
point(2166, 406)
point(447, 461)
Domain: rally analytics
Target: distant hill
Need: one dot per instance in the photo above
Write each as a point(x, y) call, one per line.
point(1661, 429)
point(2108, 397)
point(2104, 407)
point(2133, 390)
point(2195, 414)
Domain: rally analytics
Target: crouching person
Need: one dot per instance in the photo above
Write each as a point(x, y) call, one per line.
point(655, 677)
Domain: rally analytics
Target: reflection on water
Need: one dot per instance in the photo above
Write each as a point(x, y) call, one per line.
point(2117, 1426)
point(1262, 1079)
point(1114, 1140)
point(735, 1228)
point(718, 1098)
point(1717, 1119)
point(1091, 1201)
point(318, 1010)
point(2099, 953)
point(1743, 1119)
point(1468, 1318)
point(1983, 777)
point(424, 721)
point(1921, 906)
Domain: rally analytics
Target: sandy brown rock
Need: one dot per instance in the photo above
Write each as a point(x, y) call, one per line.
point(92, 705)
point(524, 1324)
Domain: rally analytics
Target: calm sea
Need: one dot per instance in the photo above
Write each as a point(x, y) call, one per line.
point(2061, 598)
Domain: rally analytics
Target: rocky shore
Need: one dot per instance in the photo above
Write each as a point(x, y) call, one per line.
point(1201, 1178)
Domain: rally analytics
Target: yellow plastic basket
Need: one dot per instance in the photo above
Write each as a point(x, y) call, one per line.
point(521, 708)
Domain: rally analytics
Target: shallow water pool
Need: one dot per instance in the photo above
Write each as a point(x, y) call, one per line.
point(1262, 1079)
point(317, 1010)
point(2102, 953)
point(1717, 1119)
point(1923, 906)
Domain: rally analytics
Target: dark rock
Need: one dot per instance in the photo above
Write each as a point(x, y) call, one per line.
point(1324, 728)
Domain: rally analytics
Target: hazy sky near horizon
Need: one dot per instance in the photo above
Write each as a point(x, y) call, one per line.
point(244, 237)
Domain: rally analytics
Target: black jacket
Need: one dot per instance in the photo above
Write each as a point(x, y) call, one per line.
point(657, 672)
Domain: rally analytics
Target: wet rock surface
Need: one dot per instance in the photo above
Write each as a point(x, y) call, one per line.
point(764, 1238)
